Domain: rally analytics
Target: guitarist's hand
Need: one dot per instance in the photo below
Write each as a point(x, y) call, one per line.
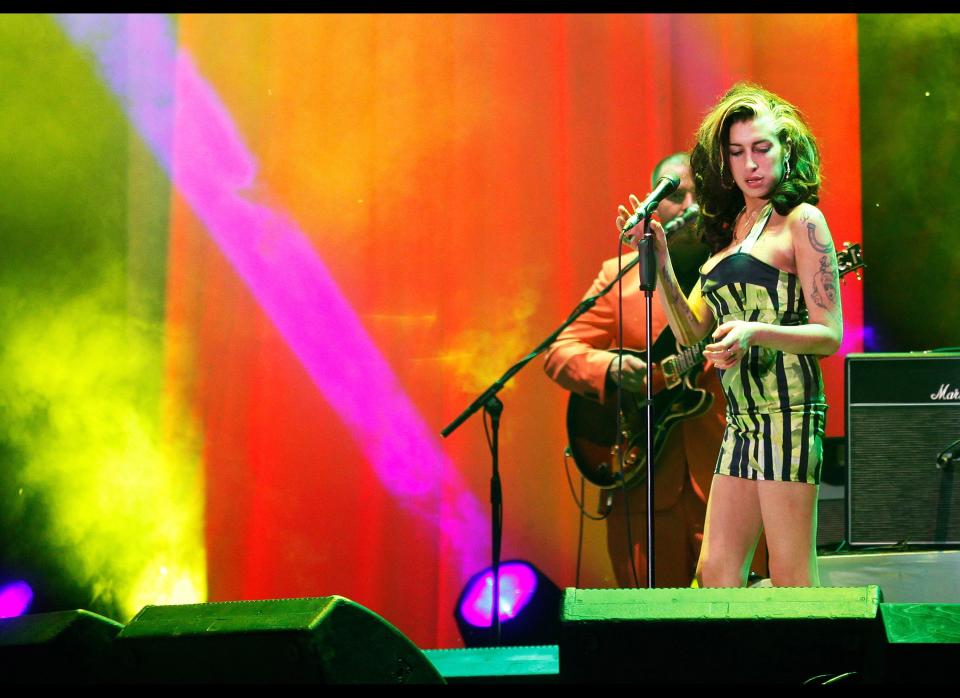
point(634, 373)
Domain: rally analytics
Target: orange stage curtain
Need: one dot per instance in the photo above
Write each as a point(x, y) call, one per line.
point(459, 177)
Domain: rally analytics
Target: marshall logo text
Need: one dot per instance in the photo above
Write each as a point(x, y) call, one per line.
point(945, 393)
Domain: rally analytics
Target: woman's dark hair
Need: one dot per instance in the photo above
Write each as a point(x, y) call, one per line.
point(718, 196)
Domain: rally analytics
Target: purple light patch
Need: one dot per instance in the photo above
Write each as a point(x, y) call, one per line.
point(14, 599)
point(518, 583)
point(194, 138)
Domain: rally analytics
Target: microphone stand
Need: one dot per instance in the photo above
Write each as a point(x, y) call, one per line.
point(648, 283)
point(491, 403)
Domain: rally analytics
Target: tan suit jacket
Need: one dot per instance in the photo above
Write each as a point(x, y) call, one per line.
point(579, 360)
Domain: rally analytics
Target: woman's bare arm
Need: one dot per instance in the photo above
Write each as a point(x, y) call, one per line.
point(816, 262)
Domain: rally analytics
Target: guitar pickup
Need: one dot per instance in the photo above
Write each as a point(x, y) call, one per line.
point(671, 374)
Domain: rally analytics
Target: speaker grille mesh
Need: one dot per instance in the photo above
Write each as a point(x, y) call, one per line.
point(896, 492)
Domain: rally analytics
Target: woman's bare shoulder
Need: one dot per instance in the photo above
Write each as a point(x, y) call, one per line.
point(802, 214)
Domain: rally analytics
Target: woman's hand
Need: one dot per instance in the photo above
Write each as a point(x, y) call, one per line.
point(734, 340)
point(660, 238)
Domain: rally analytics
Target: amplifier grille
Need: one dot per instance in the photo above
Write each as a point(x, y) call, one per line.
point(895, 491)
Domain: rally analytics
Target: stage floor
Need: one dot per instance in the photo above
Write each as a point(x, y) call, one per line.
point(903, 577)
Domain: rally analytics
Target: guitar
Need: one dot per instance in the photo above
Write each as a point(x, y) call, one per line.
point(592, 426)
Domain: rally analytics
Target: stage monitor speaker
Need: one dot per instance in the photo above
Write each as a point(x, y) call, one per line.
point(329, 640)
point(517, 664)
point(758, 634)
point(59, 647)
point(902, 411)
point(923, 642)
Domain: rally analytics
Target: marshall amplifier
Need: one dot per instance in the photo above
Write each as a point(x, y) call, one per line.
point(903, 422)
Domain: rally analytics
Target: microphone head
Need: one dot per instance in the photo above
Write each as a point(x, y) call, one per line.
point(687, 215)
point(674, 181)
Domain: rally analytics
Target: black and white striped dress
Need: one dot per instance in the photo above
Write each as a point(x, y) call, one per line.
point(775, 403)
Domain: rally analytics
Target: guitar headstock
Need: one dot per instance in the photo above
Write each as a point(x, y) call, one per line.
point(850, 259)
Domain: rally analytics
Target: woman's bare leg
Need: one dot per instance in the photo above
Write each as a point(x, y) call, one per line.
point(789, 511)
point(731, 532)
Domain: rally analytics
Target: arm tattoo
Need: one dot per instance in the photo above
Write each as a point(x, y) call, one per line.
point(677, 304)
point(821, 247)
point(825, 283)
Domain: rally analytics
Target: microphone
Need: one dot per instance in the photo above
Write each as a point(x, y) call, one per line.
point(671, 226)
point(666, 185)
point(687, 215)
point(949, 455)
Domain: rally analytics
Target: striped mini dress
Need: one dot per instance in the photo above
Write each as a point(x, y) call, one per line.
point(776, 409)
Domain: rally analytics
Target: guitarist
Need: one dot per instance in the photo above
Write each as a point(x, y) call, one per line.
point(583, 360)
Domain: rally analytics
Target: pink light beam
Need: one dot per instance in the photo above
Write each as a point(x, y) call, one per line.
point(191, 134)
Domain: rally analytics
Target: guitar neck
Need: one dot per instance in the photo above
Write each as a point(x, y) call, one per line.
point(674, 368)
point(691, 357)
